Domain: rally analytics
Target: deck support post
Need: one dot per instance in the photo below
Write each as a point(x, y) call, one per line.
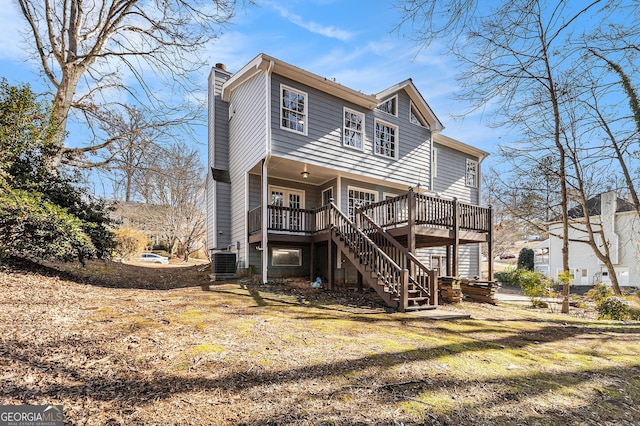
point(490, 244)
point(404, 291)
point(330, 262)
point(411, 238)
point(312, 256)
point(448, 265)
point(456, 237)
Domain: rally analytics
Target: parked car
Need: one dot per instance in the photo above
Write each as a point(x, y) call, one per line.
point(154, 258)
point(504, 256)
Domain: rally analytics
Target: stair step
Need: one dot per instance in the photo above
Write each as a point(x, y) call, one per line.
point(417, 299)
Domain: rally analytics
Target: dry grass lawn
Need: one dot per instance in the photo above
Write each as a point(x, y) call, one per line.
point(140, 345)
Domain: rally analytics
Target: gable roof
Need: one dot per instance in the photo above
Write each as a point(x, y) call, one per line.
point(594, 207)
point(418, 101)
point(264, 62)
point(441, 139)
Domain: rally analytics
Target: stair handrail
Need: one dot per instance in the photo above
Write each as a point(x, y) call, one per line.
point(380, 231)
point(396, 287)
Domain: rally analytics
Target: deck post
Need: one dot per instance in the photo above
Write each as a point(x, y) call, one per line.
point(330, 262)
point(411, 238)
point(490, 244)
point(456, 237)
point(448, 265)
point(404, 291)
point(312, 255)
point(433, 287)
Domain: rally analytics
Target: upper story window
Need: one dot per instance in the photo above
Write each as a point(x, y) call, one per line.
point(390, 106)
point(353, 128)
point(386, 140)
point(471, 174)
point(293, 114)
point(416, 118)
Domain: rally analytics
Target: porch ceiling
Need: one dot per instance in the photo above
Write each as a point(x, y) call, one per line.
point(283, 168)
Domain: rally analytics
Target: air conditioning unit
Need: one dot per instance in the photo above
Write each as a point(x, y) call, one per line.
point(223, 265)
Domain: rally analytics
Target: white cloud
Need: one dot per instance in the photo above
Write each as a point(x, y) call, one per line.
point(314, 27)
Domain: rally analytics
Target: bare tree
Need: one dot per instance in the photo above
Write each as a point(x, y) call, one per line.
point(133, 140)
point(88, 49)
point(176, 187)
point(521, 59)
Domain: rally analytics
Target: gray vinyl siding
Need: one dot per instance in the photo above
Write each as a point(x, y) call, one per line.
point(450, 181)
point(246, 149)
point(218, 194)
point(323, 144)
point(380, 190)
point(255, 191)
point(467, 258)
point(312, 194)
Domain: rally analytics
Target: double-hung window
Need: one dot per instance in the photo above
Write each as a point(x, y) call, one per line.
point(386, 139)
point(471, 174)
point(293, 111)
point(358, 198)
point(353, 128)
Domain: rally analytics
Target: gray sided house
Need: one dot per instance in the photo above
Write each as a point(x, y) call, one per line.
point(309, 178)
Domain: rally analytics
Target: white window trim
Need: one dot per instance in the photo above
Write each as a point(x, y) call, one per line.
point(327, 190)
point(395, 113)
point(362, 131)
point(356, 188)
point(466, 167)
point(422, 121)
point(397, 138)
point(286, 191)
point(306, 110)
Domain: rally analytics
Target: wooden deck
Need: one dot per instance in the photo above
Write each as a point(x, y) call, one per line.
point(381, 240)
point(430, 221)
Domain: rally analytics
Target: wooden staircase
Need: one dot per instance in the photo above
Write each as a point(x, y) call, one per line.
point(400, 279)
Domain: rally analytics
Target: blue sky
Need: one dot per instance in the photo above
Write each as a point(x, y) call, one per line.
point(351, 41)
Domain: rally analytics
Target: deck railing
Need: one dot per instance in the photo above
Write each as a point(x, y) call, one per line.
point(420, 276)
point(429, 211)
point(287, 219)
point(394, 277)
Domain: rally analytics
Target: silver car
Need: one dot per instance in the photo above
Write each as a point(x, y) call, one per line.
point(154, 258)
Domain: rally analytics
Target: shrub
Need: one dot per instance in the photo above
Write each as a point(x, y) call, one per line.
point(534, 285)
point(526, 259)
point(599, 293)
point(129, 242)
point(613, 308)
point(31, 227)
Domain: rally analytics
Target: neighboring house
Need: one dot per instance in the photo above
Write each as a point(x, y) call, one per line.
point(149, 219)
point(293, 156)
point(621, 227)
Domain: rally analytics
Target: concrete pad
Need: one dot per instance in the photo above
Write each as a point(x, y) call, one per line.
point(438, 314)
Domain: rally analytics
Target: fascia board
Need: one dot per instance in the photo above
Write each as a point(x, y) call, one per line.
point(262, 61)
point(418, 100)
point(441, 139)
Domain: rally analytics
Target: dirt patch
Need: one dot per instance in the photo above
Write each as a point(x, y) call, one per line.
point(127, 344)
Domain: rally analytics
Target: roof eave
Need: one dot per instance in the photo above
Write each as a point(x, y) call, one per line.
point(262, 61)
point(460, 146)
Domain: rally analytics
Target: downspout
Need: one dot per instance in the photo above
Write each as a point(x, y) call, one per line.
point(265, 166)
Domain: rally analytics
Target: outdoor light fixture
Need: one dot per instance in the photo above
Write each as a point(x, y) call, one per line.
point(305, 173)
